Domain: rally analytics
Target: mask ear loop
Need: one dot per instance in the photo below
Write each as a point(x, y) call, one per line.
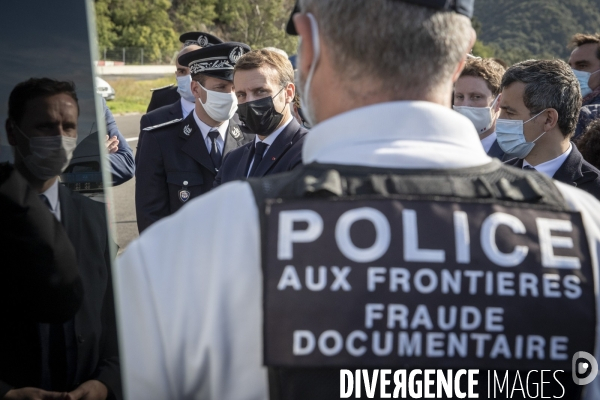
point(316, 51)
point(543, 133)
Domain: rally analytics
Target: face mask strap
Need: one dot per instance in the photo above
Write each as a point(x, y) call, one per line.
point(535, 116)
point(274, 104)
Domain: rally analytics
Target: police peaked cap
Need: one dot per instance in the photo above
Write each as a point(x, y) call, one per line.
point(201, 39)
point(217, 61)
point(464, 7)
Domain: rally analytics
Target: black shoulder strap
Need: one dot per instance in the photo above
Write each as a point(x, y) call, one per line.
point(493, 183)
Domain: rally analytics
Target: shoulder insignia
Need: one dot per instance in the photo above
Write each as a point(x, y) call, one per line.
point(236, 132)
point(151, 128)
point(187, 130)
point(162, 87)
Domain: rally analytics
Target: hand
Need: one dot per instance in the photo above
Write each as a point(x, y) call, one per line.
point(112, 144)
point(90, 390)
point(31, 393)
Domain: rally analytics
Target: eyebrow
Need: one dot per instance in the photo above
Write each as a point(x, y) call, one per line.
point(508, 108)
point(252, 90)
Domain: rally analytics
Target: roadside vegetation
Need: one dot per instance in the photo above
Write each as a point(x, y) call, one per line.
point(132, 95)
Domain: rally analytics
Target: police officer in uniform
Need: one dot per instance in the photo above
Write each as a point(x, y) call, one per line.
point(167, 95)
point(181, 158)
point(372, 253)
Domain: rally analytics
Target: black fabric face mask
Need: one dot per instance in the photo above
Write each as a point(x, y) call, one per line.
point(259, 116)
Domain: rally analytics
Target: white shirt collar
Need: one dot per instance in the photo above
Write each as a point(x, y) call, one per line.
point(186, 107)
point(52, 195)
point(549, 168)
point(204, 128)
point(488, 141)
point(400, 134)
point(271, 138)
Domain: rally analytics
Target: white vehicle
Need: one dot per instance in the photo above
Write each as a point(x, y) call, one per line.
point(104, 89)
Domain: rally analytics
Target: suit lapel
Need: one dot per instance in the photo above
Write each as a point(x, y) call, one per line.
point(233, 139)
point(195, 146)
point(495, 150)
point(245, 160)
point(175, 110)
point(278, 148)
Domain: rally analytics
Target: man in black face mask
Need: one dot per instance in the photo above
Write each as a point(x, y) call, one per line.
point(263, 82)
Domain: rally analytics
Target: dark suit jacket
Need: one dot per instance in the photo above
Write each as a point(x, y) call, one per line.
point(39, 275)
point(171, 156)
point(94, 324)
point(155, 117)
point(496, 151)
point(163, 97)
point(283, 155)
point(575, 171)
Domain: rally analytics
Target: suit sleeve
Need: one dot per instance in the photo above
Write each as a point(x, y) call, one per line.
point(40, 279)
point(122, 165)
point(151, 190)
point(109, 369)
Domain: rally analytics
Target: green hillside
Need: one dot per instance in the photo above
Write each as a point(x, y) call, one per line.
point(521, 29)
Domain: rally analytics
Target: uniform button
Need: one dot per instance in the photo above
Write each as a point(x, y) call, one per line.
point(80, 339)
point(185, 183)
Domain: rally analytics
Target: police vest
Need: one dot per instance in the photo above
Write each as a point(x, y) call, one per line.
point(370, 269)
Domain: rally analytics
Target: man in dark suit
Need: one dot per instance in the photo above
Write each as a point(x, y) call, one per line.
point(79, 356)
point(264, 87)
point(167, 95)
point(535, 92)
point(180, 159)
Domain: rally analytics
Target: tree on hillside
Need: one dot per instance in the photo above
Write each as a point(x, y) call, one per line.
point(193, 15)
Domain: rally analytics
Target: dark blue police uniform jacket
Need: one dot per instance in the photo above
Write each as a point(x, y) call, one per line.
point(174, 166)
point(575, 171)
point(156, 117)
point(163, 97)
point(122, 165)
point(283, 155)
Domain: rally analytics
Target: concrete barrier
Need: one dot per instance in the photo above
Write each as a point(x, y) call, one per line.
point(134, 69)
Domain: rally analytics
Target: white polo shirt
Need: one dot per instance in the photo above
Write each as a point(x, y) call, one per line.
point(190, 303)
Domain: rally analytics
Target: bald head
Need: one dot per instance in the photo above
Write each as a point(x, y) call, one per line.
point(181, 70)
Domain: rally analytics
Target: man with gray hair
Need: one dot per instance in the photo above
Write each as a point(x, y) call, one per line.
point(545, 96)
point(380, 251)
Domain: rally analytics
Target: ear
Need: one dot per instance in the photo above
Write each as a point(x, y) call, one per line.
point(305, 46)
point(10, 133)
point(290, 91)
point(461, 65)
point(196, 89)
point(551, 119)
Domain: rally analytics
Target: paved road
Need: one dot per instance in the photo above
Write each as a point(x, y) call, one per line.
point(124, 195)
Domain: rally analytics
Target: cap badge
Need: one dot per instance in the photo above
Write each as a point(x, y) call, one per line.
point(187, 130)
point(202, 40)
point(235, 54)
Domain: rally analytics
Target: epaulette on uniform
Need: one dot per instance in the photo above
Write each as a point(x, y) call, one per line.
point(151, 128)
point(162, 87)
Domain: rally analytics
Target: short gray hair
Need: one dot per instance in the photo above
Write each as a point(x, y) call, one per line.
point(548, 84)
point(407, 47)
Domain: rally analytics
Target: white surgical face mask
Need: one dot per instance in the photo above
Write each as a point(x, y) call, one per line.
point(219, 106)
point(48, 156)
point(511, 139)
point(305, 103)
point(584, 81)
point(481, 117)
point(184, 88)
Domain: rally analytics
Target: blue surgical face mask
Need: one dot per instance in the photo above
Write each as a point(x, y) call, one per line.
point(584, 81)
point(184, 88)
point(511, 139)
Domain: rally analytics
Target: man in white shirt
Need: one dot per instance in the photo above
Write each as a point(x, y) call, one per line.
point(476, 95)
point(545, 95)
point(193, 327)
point(264, 86)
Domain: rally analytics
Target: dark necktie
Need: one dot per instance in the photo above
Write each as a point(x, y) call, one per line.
point(45, 200)
point(529, 168)
point(215, 155)
point(258, 156)
point(57, 348)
